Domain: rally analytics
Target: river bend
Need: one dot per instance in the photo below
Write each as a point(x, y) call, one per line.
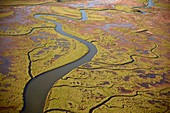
point(37, 89)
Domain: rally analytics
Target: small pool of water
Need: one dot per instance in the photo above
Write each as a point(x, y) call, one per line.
point(150, 3)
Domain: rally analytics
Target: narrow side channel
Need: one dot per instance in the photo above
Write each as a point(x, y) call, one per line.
point(36, 89)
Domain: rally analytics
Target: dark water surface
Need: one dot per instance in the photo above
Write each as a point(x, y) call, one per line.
point(36, 90)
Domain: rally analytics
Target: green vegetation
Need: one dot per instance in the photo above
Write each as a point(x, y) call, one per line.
point(129, 73)
point(53, 52)
point(13, 81)
point(65, 11)
point(26, 2)
point(163, 5)
point(94, 17)
point(5, 14)
point(123, 8)
point(32, 50)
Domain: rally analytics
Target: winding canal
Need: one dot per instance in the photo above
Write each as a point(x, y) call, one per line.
point(37, 89)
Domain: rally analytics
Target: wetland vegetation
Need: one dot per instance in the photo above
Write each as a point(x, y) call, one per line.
point(43, 44)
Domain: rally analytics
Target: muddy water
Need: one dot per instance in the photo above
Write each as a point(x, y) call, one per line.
point(36, 90)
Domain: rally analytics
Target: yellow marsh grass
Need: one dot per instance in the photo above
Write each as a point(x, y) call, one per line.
point(64, 11)
point(5, 14)
point(123, 8)
point(20, 2)
point(93, 16)
point(162, 5)
point(74, 52)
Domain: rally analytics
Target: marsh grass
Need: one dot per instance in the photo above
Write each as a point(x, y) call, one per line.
point(68, 12)
point(129, 72)
point(25, 2)
point(128, 69)
point(124, 8)
point(6, 14)
point(48, 61)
